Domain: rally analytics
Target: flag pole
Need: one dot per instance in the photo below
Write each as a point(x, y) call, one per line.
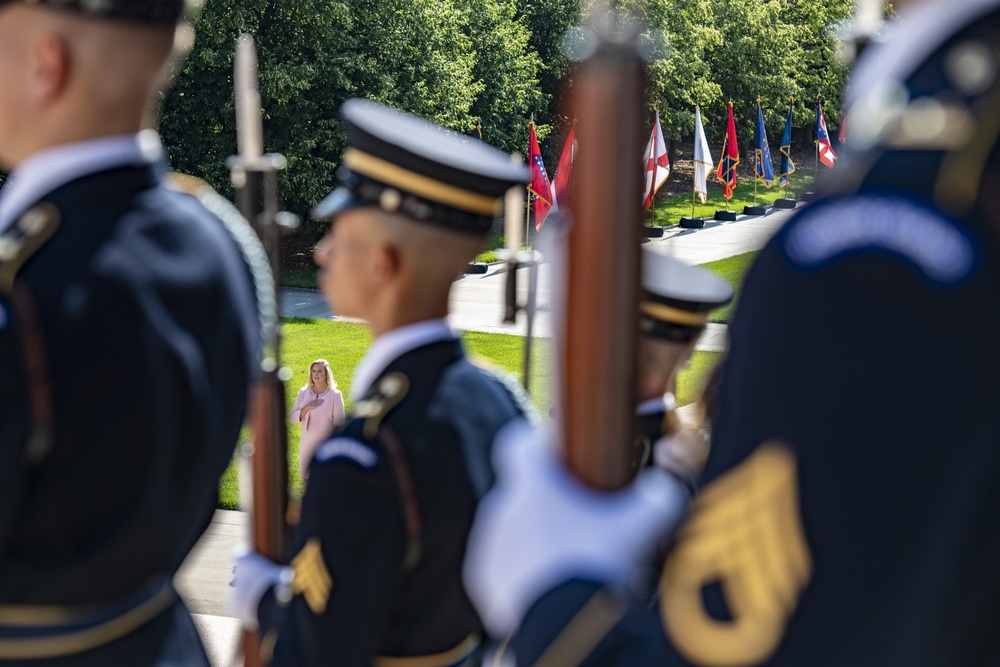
point(788, 177)
point(815, 139)
point(527, 217)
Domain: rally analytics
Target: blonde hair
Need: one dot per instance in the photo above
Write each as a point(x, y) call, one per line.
point(330, 382)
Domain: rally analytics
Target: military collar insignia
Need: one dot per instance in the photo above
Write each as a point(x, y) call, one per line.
point(380, 399)
point(23, 238)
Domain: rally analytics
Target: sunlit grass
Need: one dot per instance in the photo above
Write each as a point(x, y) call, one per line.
point(343, 344)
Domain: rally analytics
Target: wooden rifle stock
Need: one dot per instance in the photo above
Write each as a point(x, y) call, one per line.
point(602, 281)
point(255, 177)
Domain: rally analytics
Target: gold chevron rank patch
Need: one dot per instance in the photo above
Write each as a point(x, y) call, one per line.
point(744, 534)
point(312, 579)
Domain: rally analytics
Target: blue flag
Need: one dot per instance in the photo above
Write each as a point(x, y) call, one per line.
point(787, 166)
point(762, 161)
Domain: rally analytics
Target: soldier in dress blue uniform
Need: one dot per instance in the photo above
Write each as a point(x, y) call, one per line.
point(128, 338)
point(375, 572)
point(673, 312)
point(849, 513)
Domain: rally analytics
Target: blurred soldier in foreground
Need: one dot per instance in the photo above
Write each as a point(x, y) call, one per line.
point(677, 299)
point(128, 338)
point(849, 513)
point(376, 572)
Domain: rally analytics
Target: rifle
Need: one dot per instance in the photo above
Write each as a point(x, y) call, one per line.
point(255, 177)
point(515, 258)
point(598, 337)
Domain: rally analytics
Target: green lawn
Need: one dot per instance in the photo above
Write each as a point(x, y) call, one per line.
point(733, 270)
point(669, 210)
point(344, 343)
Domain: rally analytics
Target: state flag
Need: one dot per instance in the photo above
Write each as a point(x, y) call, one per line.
point(539, 186)
point(787, 166)
point(763, 168)
point(656, 162)
point(726, 172)
point(826, 153)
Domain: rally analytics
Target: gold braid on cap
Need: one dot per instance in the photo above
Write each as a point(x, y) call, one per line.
point(674, 315)
point(418, 184)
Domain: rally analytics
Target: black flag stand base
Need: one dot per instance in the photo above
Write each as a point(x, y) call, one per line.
point(692, 223)
point(652, 232)
point(787, 202)
point(725, 215)
point(754, 210)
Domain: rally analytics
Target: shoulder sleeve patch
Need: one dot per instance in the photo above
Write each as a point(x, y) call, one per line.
point(347, 448)
point(24, 238)
point(936, 246)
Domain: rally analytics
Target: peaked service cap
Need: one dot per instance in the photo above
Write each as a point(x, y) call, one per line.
point(405, 164)
point(677, 298)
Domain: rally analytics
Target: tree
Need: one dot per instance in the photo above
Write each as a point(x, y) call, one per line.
point(314, 54)
point(506, 71)
point(756, 59)
point(682, 77)
point(548, 22)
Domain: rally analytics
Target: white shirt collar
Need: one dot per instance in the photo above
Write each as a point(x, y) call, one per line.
point(51, 168)
point(393, 344)
point(664, 403)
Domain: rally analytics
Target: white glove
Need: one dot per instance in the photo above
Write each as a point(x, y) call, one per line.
point(683, 453)
point(539, 527)
point(253, 575)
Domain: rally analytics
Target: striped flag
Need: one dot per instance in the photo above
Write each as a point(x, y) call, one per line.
point(564, 172)
point(657, 164)
point(539, 185)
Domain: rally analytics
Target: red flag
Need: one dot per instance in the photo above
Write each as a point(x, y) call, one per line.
point(726, 171)
point(564, 172)
point(539, 186)
point(842, 135)
point(656, 162)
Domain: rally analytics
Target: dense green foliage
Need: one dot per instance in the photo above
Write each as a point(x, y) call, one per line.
point(494, 63)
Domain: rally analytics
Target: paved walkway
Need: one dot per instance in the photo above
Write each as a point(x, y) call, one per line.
point(476, 301)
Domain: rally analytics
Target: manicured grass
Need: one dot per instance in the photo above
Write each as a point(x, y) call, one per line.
point(669, 210)
point(733, 270)
point(344, 343)
point(692, 379)
point(487, 257)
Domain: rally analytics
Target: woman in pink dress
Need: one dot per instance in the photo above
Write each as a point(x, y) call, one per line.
point(319, 407)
